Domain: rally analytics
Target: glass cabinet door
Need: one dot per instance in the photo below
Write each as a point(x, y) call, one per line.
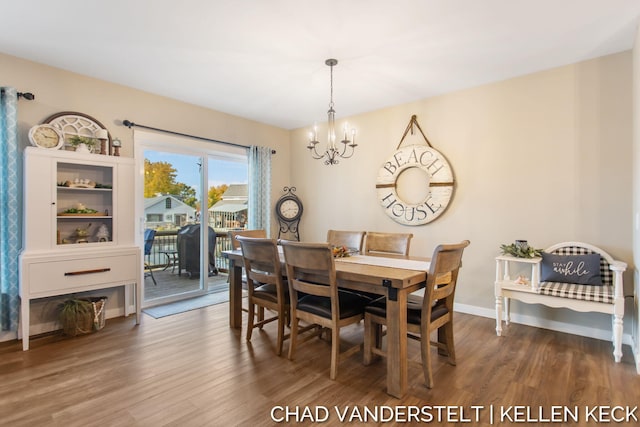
point(84, 203)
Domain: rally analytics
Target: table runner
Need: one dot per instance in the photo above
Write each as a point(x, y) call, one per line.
point(405, 264)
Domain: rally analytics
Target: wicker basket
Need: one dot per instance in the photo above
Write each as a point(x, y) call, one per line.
point(89, 318)
point(99, 318)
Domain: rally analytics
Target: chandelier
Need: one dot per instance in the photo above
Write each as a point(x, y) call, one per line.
point(332, 153)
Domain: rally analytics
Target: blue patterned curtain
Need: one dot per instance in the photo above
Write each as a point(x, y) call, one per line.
point(10, 209)
point(260, 188)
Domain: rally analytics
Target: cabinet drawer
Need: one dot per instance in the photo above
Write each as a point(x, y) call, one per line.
point(45, 277)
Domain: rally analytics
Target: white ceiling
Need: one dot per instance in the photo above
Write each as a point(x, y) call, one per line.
point(264, 60)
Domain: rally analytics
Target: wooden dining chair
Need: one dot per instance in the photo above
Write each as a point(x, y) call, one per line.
point(265, 284)
point(387, 244)
point(350, 239)
point(235, 245)
point(424, 315)
point(316, 299)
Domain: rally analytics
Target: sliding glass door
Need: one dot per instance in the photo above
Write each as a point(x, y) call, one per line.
point(182, 185)
point(172, 218)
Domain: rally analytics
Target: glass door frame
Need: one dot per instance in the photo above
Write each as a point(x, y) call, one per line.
point(146, 140)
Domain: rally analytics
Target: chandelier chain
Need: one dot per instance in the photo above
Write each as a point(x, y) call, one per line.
point(331, 98)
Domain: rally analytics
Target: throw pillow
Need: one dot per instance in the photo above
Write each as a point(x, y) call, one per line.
point(580, 269)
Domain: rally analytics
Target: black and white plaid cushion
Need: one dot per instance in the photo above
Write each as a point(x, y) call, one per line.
point(604, 293)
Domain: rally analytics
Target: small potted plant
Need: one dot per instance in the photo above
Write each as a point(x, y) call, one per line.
point(79, 316)
point(75, 316)
point(83, 144)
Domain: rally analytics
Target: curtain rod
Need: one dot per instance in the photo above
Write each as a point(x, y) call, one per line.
point(131, 124)
point(26, 95)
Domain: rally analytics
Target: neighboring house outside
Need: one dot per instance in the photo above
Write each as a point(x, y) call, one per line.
point(230, 212)
point(167, 212)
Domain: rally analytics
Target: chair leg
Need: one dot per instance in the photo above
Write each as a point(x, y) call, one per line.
point(372, 339)
point(151, 274)
point(369, 337)
point(281, 320)
point(335, 352)
point(260, 314)
point(448, 336)
point(442, 341)
point(293, 337)
point(250, 319)
point(378, 336)
point(425, 349)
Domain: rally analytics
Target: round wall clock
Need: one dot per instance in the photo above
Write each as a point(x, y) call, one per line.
point(289, 210)
point(45, 136)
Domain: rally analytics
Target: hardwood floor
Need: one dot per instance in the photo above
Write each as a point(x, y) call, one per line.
point(191, 369)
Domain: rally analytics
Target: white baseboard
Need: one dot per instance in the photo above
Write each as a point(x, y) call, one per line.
point(568, 328)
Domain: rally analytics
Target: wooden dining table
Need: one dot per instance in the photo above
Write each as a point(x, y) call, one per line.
point(394, 278)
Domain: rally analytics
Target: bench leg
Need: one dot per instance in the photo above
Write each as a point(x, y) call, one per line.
point(498, 315)
point(507, 310)
point(617, 337)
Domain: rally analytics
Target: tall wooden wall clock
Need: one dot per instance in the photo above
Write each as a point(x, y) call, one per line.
point(439, 175)
point(289, 212)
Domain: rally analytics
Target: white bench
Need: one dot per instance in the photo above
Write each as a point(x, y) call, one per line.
point(607, 298)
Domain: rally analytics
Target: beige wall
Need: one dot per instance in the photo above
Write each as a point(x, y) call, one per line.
point(544, 157)
point(58, 90)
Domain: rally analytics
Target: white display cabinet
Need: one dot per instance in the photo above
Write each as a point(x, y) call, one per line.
point(79, 227)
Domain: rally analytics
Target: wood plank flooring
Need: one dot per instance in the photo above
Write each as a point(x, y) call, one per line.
point(191, 369)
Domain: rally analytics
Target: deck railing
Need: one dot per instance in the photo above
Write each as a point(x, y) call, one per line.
point(165, 243)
